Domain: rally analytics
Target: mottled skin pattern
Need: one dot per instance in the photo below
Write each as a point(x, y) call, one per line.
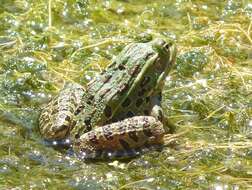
point(57, 117)
point(120, 109)
point(122, 135)
point(148, 130)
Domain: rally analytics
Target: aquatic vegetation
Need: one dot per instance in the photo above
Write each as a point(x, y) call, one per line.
point(44, 44)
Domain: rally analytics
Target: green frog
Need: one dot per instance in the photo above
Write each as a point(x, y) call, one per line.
point(119, 114)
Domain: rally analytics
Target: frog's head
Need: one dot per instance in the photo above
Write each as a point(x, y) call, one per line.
point(158, 62)
point(164, 57)
point(155, 60)
point(166, 54)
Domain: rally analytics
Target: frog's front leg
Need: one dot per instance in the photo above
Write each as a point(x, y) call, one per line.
point(120, 138)
point(158, 113)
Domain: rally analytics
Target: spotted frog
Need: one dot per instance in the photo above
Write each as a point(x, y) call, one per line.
point(119, 114)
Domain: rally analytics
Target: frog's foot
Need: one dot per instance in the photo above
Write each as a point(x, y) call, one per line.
point(157, 112)
point(125, 138)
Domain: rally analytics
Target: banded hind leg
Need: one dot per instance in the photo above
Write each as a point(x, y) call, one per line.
point(120, 138)
point(56, 119)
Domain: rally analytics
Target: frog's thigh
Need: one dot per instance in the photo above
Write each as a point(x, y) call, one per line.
point(127, 134)
point(56, 118)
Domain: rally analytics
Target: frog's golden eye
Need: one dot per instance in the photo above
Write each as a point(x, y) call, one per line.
point(167, 47)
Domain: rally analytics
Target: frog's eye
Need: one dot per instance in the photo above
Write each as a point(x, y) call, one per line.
point(167, 47)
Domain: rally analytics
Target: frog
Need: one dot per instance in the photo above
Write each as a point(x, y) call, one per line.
point(119, 113)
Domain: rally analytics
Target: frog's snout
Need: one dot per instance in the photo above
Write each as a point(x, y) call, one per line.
point(161, 45)
point(159, 42)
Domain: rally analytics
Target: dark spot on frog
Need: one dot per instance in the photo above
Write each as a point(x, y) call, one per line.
point(68, 118)
point(93, 137)
point(123, 88)
point(78, 110)
point(55, 103)
point(73, 123)
point(89, 102)
point(90, 99)
point(87, 122)
point(139, 102)
point(134, 70)
point(146, 122)
point(110, 66)
point(121, 67)
point(104, 92)
point(147, 132)
point(145, 81)
point(54, 111)
point(124, 144)
point(108, 111)
point(126, 102)
point(62, 128)
point(122, 129)
point(130, 114)
point(133, 135)
point(82, 150)
point(107, 132)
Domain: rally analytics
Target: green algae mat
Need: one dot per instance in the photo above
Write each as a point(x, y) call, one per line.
point(207, 96)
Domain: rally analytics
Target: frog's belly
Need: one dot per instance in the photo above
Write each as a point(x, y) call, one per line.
point(125, 138)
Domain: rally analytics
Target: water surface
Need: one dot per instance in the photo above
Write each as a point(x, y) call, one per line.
point(44, 44)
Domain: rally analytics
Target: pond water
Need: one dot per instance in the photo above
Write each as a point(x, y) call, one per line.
point(44, 44)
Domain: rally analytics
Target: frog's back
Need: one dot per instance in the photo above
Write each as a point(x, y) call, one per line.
point(107, 93)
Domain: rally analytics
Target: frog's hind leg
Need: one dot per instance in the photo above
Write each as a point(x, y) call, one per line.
point(56, 119)
point(125, 138)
